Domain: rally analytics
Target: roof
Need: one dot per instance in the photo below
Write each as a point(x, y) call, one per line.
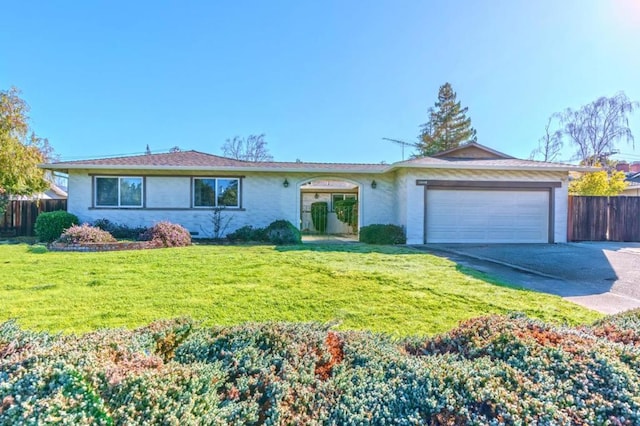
point(200, 161)
point(195, 160)
point(53, 193)
point(633, 178)
point(490, 163)
point(471, 150)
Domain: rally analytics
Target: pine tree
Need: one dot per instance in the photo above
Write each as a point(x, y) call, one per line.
point(448, 126)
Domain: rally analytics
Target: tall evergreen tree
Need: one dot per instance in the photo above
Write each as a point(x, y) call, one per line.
point(448, 126)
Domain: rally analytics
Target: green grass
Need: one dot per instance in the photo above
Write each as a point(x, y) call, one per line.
point(397, 290)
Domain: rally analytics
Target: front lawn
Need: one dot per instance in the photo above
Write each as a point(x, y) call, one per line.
point(398, 290)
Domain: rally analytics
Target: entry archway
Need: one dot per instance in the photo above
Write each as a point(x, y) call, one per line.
point(342, 198)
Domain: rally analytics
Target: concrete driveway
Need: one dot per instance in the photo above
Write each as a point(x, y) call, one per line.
point(604, 276)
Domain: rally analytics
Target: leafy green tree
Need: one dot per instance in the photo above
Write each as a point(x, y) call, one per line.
point(448, 125)
point(598, 183)
point(20, 150)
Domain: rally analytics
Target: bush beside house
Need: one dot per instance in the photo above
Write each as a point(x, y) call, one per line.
point(85, 233)
point(382, 234)
point(320, 216)
point(167, 234)
point(278, 232)
point(50, 225)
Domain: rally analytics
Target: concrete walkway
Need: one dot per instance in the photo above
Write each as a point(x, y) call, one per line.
point(601, 276)
point(329, 239)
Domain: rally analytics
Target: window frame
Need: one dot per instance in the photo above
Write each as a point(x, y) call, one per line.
point(217, 179)
point(119, 204)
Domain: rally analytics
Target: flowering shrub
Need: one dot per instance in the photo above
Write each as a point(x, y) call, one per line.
point(85, 233)
point(491, 370)
point(167, 234)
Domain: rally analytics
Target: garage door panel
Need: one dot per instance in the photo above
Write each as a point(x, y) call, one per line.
point(475, 216)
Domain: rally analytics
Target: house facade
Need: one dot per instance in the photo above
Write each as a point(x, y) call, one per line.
point(471, 194)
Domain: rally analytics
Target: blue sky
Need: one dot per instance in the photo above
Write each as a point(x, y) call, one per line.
point(325, 81)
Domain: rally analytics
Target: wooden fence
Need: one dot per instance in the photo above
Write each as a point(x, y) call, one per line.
point(604, 219)
point(20, 217)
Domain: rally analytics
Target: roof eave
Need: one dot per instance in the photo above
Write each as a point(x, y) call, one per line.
point(463, 166)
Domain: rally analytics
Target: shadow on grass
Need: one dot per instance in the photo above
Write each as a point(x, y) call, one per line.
point(359, 248)
point(38, 249)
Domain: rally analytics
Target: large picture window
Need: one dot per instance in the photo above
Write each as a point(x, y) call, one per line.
point(120, 191)
point(216, 192)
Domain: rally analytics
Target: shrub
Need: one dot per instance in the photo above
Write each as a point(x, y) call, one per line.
point(491, 370)
point(382, 234)
point(347, 211)
point(120, 231)
point(282, 232)
point(319, 216)
point(50, 225)
point(247, 233)
point(79, 234)
point(167, 234)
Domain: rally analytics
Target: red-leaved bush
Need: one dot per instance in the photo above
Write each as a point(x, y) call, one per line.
point(167, 234)
point(79, 234)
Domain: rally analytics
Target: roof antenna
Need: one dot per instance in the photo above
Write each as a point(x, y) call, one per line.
point(399, 142)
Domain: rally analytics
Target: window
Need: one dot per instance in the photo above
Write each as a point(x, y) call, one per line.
point(118, 191)
point(340, 197)
point(216, 192)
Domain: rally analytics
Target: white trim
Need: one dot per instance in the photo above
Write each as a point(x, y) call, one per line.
point(300, 182)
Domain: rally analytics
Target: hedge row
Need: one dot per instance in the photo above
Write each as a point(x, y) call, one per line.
point(492, 370)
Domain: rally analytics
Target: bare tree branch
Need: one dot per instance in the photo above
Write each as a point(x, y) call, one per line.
point(596, 128)
point(253, 148)
point(549, 145)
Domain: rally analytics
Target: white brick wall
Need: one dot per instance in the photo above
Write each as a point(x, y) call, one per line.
point(397, 199)
point(163, 192)
point(264, 199)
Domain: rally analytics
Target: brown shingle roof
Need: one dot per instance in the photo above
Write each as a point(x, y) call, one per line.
point(200, 160)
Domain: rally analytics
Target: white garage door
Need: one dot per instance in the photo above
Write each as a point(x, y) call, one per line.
point(484, 216)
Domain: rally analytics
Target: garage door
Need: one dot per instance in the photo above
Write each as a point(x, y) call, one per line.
point(486, 216)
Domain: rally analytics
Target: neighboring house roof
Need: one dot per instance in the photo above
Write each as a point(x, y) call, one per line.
point(471, 150)
point(469, 156)
point(53, 193)
point(633, 178)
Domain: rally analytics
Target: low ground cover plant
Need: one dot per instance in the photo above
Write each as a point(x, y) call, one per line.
point(490, 370)
point(50, 225)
